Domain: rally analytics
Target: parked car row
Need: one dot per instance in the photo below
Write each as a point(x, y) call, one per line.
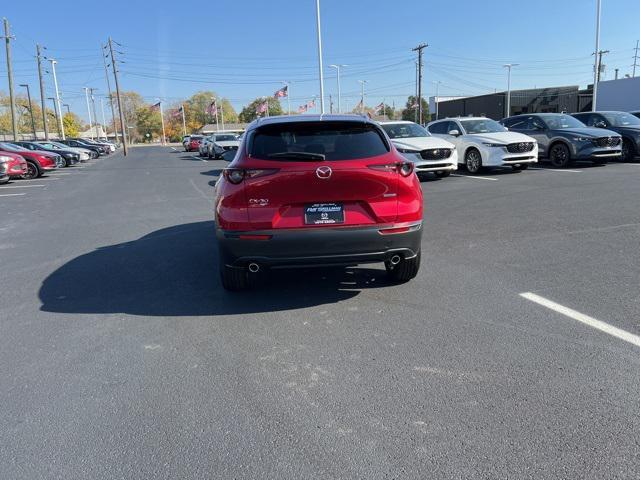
point(477, 143)
point(32, 159)
point(214, 145)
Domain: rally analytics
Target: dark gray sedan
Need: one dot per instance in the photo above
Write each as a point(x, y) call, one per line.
point(563, 139)
point(623, 123)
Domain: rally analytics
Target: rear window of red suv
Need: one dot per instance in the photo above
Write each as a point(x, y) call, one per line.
point(327, 140)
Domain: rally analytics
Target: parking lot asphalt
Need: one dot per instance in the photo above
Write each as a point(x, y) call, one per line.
point(122, 357)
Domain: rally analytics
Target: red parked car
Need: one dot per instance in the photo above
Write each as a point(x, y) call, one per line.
point(194, 143)
point(16, 165)
point(38, 162)
point(4, 167)
point(317, 190)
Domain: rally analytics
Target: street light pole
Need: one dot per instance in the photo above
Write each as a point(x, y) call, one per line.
point(288, 85)
point(437, 96)
point(320, 69)
point(55, 109)
point(55, 84)
point(86, 96)
point(508, 66)
point(338, 67)
point(95, 115)
point(68, 107)
point(33, 121)
point(104, 121)
point(596, 70)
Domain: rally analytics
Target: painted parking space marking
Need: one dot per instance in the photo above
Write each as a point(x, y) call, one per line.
point(555, 170)
point(21, 186)
point(474, 177)
point(11, 194)
point(582, 318)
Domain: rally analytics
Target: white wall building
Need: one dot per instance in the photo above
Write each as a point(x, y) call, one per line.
point(622, 94)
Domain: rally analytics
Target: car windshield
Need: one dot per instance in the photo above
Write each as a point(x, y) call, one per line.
point(196, 137)
point(621, 119)
point(561, 121)
point(313, 141)
point(225, 138)
point(404, 130)
point(484, 125)
point(12, 148)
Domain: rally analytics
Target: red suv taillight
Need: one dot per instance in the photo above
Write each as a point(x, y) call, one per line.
point(236, 175)
point(403, 168)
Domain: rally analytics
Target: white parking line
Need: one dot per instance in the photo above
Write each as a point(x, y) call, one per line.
point(474, 177)
point(555, 170)
point(11, 194)
point(581, 317)
point(197, 157)
point(21, 186)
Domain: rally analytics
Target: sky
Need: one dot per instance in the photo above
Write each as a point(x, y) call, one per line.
point(243, 49)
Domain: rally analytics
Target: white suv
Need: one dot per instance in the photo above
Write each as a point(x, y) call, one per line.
point(428, 154)
point(482, 142)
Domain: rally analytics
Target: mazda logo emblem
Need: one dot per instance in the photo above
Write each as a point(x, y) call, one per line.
point(323, 172)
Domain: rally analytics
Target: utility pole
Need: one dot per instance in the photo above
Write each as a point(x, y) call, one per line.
point(362, 84)
point(596, 71)
point(104, 120)
point(55, 83)
point(68, 107)
point(616, 77)
point(86, 96)
point(95, 116)
point(33, 121)
point(184, 121)
point(320, 68)
point(635, 58)
point(599, 55)
point(14, 118)
point(338, 67)
point(42, 97)
point(113, 112)
point(419, 49)
point(115, 75)
point(508, 66)
point(415, 113)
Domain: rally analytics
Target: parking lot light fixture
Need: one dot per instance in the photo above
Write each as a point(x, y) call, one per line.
point(508, 66)
point(320, 68)
point(338, 67)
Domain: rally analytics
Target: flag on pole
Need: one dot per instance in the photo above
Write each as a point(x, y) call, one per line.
point(377, 108)
point(282, 93)
point(212, 109)
point(311, 104)
point(155, 106)
point(303, 108)
point(358, 106)
point(177, 113)
point(262, 107)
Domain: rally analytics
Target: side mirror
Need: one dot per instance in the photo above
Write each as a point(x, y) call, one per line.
point(454, 132)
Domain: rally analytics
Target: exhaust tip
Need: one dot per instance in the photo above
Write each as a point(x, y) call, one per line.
point(395, 260)
point(254, 267)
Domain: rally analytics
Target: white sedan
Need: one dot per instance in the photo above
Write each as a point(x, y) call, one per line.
point(482, 142)
point(221, 143)
point(429, 154)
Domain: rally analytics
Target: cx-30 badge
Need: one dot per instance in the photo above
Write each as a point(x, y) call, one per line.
point(323, 172)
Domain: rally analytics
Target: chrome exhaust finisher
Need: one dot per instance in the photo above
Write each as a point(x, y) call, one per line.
point(254, 267)
point(395, 259)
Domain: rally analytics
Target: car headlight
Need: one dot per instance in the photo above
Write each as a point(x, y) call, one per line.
point(408, 150)
point(497, 145)
point(582, 139)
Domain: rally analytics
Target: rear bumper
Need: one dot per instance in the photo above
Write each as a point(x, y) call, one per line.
point(318, 246)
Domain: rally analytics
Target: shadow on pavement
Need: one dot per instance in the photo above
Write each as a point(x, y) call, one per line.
point(174, 272)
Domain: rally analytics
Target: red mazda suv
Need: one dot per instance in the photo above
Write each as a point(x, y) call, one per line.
point(314, 190)
point(38, 162)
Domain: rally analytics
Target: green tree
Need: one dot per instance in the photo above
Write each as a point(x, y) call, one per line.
point(409, 112)
point(249, 114)
point(148, 123)
point(72, 124)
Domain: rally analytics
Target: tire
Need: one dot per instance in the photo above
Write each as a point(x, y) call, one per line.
point(559, 156)
point(628, 151)
point(61, 162)
point(405, 270)
point(32, 171)
point(421, 176)
point(443, 174)
point(473, 161)
point(522, 166)
point(234, 279)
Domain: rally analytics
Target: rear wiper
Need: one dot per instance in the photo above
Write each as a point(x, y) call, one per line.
point(298, 155)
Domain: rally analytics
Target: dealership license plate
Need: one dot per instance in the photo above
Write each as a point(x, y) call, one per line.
point(323, 214)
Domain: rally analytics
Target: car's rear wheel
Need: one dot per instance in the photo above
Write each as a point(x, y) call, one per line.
point(559, 155)
point(61, 162)
point(473, 161)
point(521, 166)
point(405, 270)
point(32, 171)
point(443, 174)
point(628, 151)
